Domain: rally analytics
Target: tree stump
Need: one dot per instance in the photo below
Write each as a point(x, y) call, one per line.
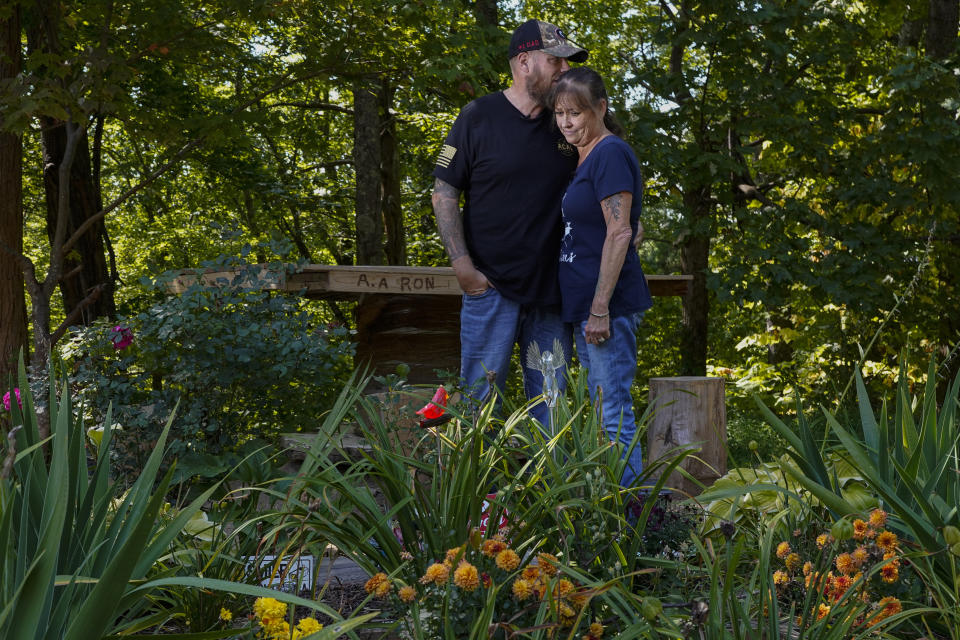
point(689, 411)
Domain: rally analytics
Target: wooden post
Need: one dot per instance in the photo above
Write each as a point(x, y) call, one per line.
point(689, 411)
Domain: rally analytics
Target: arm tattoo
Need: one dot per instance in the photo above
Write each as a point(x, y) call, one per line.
point(613, 205)
point(446, 207)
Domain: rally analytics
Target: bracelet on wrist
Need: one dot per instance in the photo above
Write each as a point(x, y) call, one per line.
point(600, 315)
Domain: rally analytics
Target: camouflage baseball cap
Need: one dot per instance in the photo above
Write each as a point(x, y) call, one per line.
point(536, 34)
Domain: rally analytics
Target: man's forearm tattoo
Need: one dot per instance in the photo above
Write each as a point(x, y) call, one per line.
point(446, 207)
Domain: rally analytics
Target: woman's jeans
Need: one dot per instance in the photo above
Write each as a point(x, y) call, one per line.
point(610, 368)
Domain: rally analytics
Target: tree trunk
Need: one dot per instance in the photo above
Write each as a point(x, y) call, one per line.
point(13, 309)
point(396, 247)
point(366, 160)
point(694, 260)
point(942, 24)
point(85, 268)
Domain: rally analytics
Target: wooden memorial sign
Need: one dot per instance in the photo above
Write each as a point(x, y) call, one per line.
point(407, 315)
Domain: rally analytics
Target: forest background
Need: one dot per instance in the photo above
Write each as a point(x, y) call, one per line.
point(800, 156)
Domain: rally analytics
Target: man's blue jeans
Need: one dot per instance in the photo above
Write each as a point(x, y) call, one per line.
point(489, 327)
point(610, 367)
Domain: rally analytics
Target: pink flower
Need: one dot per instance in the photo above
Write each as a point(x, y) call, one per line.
point(6, 399)
point(122, 337)
point(435, 408)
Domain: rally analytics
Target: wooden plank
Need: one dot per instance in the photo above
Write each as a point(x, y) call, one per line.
point(336, 281)
point(273, 279)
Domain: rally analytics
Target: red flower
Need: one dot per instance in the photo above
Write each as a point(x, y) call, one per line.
point(435, 408)
point(121, 337)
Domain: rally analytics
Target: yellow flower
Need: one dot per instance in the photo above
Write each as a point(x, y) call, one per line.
point(508, 560)
point(436, 573)
point(379, 585)
point(466, 577)
point(887, 540)
point(807, 568)
point(277, 630)
point(822, 611)
point(492, 547)
point(269, 608)
point(845, 564)
point(596, 630)
point(225, 614)
point(892, 558)
point(823, 540)
point(408, 594)
point(305, 627)
point(878, 519)
point(780, 577)
point(793, 562)
point(522, 589)
point(860, 555)
point(547, 563)
point(783, 550)
point(566, 614)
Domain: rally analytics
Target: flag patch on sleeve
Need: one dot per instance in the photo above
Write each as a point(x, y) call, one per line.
point(446, 156)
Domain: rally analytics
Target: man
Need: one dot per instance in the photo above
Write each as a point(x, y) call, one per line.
point(511, 164)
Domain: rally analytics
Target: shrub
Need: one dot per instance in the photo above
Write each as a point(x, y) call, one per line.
point(252, 362)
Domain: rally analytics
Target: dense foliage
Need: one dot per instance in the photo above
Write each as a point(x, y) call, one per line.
point(245, 365)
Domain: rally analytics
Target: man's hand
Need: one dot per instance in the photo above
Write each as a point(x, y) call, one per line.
point(471, 280)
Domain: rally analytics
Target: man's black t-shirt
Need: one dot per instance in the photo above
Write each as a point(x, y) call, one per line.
point(512, 171)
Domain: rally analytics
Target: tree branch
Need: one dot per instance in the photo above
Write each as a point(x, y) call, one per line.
point(77, 312)
point(318, 106)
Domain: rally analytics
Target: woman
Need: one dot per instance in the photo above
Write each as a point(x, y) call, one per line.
point(601, 281)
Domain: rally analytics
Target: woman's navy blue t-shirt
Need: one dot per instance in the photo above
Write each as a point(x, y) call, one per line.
point(610, 168)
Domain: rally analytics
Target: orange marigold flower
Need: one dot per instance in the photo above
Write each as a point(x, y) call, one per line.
point(840, 586)
point(783, 550)
point(887, 540)
point(492, 547)
point(889, 573)
point(878, 519)
point(522, 589)
point(860, 555)
point(530, 574)
point(466, 577)
point(886, 607)
point(861, 530)
point(564, 587)
point(845, 564)
point(807, 568)
point(823, 540)
point(378, 585)
point(892, 558)
point(548, 563)
point(578, 599)
point(408, 594)
point(454, 554)
point(780, 577)
point(793, 562)
point(822, 611)
point(436, 573)
point(508, 560)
